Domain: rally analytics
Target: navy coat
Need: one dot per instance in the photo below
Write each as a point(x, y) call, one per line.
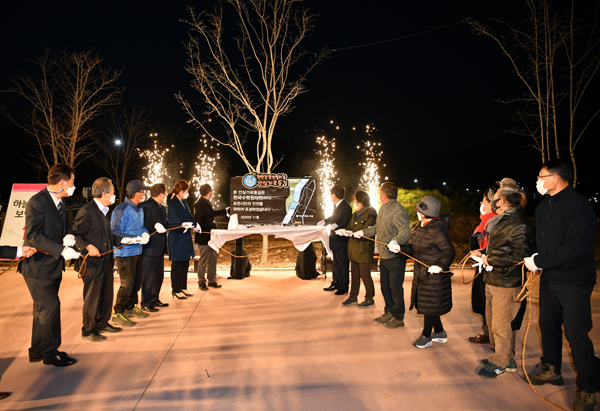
point(181, 246)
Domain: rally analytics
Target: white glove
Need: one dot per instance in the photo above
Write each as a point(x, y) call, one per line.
point(145, 238)
point(197, 228)
point(127, 240)
point(69, 240)
point(358, 234)
point(321, 223)
point(188, 225)
point(488, 268)
point(227, 211)
point(394, 247)
point(479, 263)
point(70, 254)
point(160, 228)
point(434, 269)
point(343, 233)
point(530, 264)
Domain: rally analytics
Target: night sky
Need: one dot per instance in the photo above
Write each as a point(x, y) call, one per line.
point(429, 95)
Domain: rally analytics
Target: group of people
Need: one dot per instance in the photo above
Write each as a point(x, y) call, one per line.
point(561, 247)
point(134, 237)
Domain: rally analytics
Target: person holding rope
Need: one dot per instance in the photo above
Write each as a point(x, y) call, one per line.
point(94, 237)
point(153, 253)
point(127, 225)
point(510, 240)
point(478, 242)
point(360, 250)
point(392, 227)
point(181, 247)
point(431, 286)
point(47, 229)
point(342, 212)
point(564, 241)
point(205, 214)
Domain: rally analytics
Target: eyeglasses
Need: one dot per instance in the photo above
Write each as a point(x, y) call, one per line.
point(545, 176)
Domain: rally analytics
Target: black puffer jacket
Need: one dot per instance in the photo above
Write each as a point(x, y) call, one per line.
point(510, 242)
point(432, 293)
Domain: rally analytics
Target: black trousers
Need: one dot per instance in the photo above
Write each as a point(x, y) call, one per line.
point(432, 322)
point(568, 305)
point(98, 295)
point(391, 271)
point(179, 273)
point(45, 333)
point(153, 277)
point(341, 269)
point(130, 273)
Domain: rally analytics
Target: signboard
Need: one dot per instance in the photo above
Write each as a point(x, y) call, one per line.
point(273, 199)
point(13, 232)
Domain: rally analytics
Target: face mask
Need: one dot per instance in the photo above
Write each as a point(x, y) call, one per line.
point(495, 205)
point(186, 195)
point(71, 190)
point(540, 187)
point(482, 211)
point(113, 198)
point(420, 216)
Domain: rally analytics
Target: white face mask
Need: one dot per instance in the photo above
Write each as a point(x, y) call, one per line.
point(186, 195)
point(113, 198)
point(539, 185)
point(71, 190)
point(420, 216)
point(482, 210)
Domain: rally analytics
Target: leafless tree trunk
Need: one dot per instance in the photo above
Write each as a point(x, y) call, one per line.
point(72, 89)
point(125, 132)
point(539, 53)
point(250, 88)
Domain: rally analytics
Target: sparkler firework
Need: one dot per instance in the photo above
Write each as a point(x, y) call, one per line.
point(205, 168)
point(156, 170)
point(326, 172)
point(371, 179)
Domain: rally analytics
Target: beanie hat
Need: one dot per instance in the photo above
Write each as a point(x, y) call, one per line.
point(429, 206)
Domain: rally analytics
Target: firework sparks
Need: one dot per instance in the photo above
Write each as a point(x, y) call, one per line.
point(206, 168)
point(371, 179)
point(156, 170)
point(326, 172)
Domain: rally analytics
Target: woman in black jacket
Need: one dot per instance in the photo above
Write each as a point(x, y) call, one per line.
point(431, 287)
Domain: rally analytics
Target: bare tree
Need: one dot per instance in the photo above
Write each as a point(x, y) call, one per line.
point(250, 88)
point(71, 90)
point(125, 132)
point(555, 72)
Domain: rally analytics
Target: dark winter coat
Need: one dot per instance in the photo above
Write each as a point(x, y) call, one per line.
point(509, 244)
point(361, 250)
point(205, 214)
point(181, 246)
point(432, 293)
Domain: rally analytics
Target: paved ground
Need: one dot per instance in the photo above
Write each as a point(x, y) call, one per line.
point(269, 342)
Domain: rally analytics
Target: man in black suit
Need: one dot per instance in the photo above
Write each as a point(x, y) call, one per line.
point(94, 237)
point(205, 215)
point(14, 253)
point(342, 213)
point(153, 254)
point(48, 230)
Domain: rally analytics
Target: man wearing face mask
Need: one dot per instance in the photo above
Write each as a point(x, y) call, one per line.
point(48, 230)
point(127, 225)
point(94, 237)
point(155, 219)
point(564, 240)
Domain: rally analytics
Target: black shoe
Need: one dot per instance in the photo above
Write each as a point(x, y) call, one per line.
point(60, 361)
point(149, 309)
point(38, 358)
point(215, 285)
point(186, 293)
point(159, 303)
point(179, 297)
point(341, 292)
point(110, 329)
point(330, 288)
point(202, 286)
point(3, 395)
